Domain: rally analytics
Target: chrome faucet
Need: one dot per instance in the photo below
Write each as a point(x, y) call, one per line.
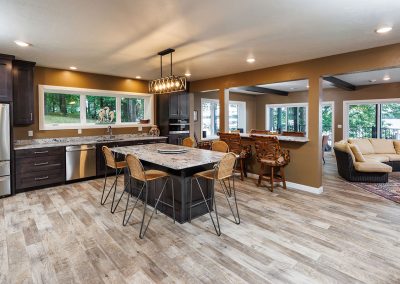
point(109, 131)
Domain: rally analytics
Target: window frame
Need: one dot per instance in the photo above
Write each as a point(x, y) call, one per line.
point(83, 92)
point(205, 100)
point(242, 114)
point(268, 106)
point(379, 102)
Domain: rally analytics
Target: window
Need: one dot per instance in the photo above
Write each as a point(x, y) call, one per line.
point(75, 108)
point(61, 108)
point(132, 110)
point(327, 114)
point(372, 119)
point(287, 117)
point(100, 110)
point(210, 117)
point(237, 116)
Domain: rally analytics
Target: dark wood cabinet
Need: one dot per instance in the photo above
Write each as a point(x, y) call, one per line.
point(39, 168)
point(6, 78)
point(177, 139)
point(23, 92)
point(179, 105)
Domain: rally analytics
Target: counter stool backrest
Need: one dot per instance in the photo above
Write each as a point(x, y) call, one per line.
point(226, 166)
point(267, 147)
point(256, 131)
point(135, 167)
point(188, 142)
point(220, 146)
point(233, 140)
point(109, 157)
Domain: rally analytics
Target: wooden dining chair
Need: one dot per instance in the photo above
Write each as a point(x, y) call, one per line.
point(242, 152)
point(110, 162)
point(270, 155)
point(188, 142)
point(137, 173)
point(220, 146)
point(293, 133)
point(222, 172)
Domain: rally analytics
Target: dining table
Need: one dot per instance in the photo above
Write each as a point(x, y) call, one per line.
point(181, 163)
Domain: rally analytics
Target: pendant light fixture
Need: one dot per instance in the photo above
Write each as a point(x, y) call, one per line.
point(169, 84)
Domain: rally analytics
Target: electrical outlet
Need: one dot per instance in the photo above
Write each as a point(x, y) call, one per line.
point(79, 131)
point(30, 133)
point(140, 128)
point(339, 126)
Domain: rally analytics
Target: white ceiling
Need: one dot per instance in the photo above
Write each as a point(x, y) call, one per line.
point(363, 78)
point(211, 38)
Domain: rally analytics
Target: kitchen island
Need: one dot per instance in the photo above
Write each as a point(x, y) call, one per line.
point(181, 167)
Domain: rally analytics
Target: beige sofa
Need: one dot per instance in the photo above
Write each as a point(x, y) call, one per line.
point(367, 160)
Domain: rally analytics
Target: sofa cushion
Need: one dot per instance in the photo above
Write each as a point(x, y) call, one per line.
point(377, 157)
point(393, 157)
point(383, 146)
point(357, 153)
point(372, 167)
point(364, 145)
point(343, 146)
point(396, 144)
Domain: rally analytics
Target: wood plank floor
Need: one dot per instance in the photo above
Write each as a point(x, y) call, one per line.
point(63, 235)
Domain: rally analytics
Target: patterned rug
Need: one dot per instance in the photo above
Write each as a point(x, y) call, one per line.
point(390, 190)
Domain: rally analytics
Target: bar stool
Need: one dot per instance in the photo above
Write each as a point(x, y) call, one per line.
point(242, 152)
point(137, 172)
point(188, 142)
point(272, 156)
point(222, 171)
point(220, 146)
point(110, 162)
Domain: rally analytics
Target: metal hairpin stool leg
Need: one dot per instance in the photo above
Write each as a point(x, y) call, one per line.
point(144, 190)
point(205, 200)
point(113, 186)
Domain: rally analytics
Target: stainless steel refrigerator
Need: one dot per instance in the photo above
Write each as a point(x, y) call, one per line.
point(5, 166)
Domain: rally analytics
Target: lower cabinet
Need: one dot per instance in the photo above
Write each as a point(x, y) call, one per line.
point(39, 167)
point(177, 139)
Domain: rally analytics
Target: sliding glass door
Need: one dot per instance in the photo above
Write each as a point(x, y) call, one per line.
point(372, 119)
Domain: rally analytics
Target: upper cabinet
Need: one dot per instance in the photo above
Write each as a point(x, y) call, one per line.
point(6, 78)
point(23, 92)
point(179, 105)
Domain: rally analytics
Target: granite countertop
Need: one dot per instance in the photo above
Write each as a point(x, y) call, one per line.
point(71, 141)
point(280, 137)
point(193, 158)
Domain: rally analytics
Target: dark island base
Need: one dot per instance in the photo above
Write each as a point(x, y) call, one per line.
point(181, 180)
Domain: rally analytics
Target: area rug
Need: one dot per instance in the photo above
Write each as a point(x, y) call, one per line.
point(390, 190)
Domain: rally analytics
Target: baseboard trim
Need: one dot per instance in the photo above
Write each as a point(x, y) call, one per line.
point(296, 186)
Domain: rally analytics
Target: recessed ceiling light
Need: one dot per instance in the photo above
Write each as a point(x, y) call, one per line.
point(138, 77)
point(187, 74)
point(292, 88)
point(73, 68)
point(21, 43)
point(386, 78)
point(383, 30)
point(372, 80)
point(250, 60)
point(308, 86)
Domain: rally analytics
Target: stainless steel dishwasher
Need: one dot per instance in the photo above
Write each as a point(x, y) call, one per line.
point(80, 161)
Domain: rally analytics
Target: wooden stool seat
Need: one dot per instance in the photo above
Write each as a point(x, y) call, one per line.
point(119, 165)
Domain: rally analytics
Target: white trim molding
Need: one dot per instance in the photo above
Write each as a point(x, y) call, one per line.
point(296, 186)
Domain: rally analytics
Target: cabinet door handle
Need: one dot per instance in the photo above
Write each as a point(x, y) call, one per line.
point(41, 178)
point(41, 152)
point(31, 116)
point(41, 164)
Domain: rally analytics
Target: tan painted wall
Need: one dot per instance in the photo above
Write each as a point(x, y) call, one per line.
point(66, 78)
point(306, 165)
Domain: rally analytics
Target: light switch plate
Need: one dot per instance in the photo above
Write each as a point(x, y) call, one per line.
point(79, 131)
point(30, 133)
point(339, 126)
